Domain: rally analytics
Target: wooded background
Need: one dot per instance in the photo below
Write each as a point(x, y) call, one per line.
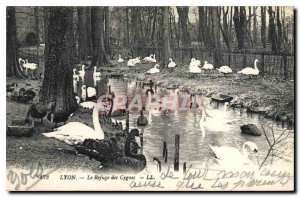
point(233, 36)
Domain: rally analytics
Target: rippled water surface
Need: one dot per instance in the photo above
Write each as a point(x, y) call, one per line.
point(221, 128)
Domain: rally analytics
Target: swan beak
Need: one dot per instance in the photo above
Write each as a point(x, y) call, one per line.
point(255, 151)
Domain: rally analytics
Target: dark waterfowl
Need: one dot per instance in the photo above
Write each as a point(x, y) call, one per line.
point(142, 120)
point(10, 87)
point(114, 154)
point(38, 110)
point(250, 129)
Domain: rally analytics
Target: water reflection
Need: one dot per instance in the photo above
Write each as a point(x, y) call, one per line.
point(220, 127)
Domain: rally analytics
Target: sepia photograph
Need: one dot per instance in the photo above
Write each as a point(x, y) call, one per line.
point(150, 98)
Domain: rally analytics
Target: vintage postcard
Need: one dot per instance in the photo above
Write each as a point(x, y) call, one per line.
point(132, 98)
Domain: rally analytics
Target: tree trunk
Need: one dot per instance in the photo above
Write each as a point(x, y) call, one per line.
point(127, 37)
point(216, 36)
point(89, 30)
point(12, 63)
point(263, 26)
point(83, 34)
point(153, 26)
point(97, 23)
point(239, 19)
point(183, 23)
point(255, 27)
point(37, 31)
point(166, 37)
point(201, 26)
point(272, 29)
point(279, 28)
point(107, 31)
point(57, 85)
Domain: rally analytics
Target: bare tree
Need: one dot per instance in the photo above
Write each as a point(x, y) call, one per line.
point(12, 64)
point(166, 37)
point(83, 40)
point(263, 26)
point(239, 19)
point(97, 24)
point(279, 28)
point(107, 30)
point(272, 36)
point(57, 84)
point(183, 25)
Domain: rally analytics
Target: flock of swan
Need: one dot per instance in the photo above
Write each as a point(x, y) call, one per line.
point(74, 133)
point(195, 66)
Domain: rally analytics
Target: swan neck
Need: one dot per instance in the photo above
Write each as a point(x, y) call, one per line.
point(96, 123)
point(255, 65)
point(245, 153)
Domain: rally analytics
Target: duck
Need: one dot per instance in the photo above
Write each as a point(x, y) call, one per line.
point(250, 71)
point(39, 110)
point(75, 133)
point(225, 70)
point(225, 155)
point(82, 72)
point(75, 76)
point(142, 120)
point(207, 66)
point(153, 70)
point(27, 95)
point(171, 63)
point(96, 74)
point(195, 62)
point(11, 87)
point(120, 60)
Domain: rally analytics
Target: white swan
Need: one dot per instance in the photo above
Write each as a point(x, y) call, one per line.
point(153, 59)
point(131, 62)
point(149, 58)
point(120, 60)
point(153, 70)
point(250, 71)
point(82, 72)
point(87, 92)
point(230, 157)
point(171, 63)
point(75, 83)
point(32, 66)
point(87, 104)
point(83, 92)
point(225, 70)
point(75, 132)
point(194, 69)
point(214, 120)
point(75, 76)
point(137, 60)
point(195, 62)
point(95, 73)
point(207, 66)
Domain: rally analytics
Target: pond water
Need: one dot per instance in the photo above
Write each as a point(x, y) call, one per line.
point(222, 128)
